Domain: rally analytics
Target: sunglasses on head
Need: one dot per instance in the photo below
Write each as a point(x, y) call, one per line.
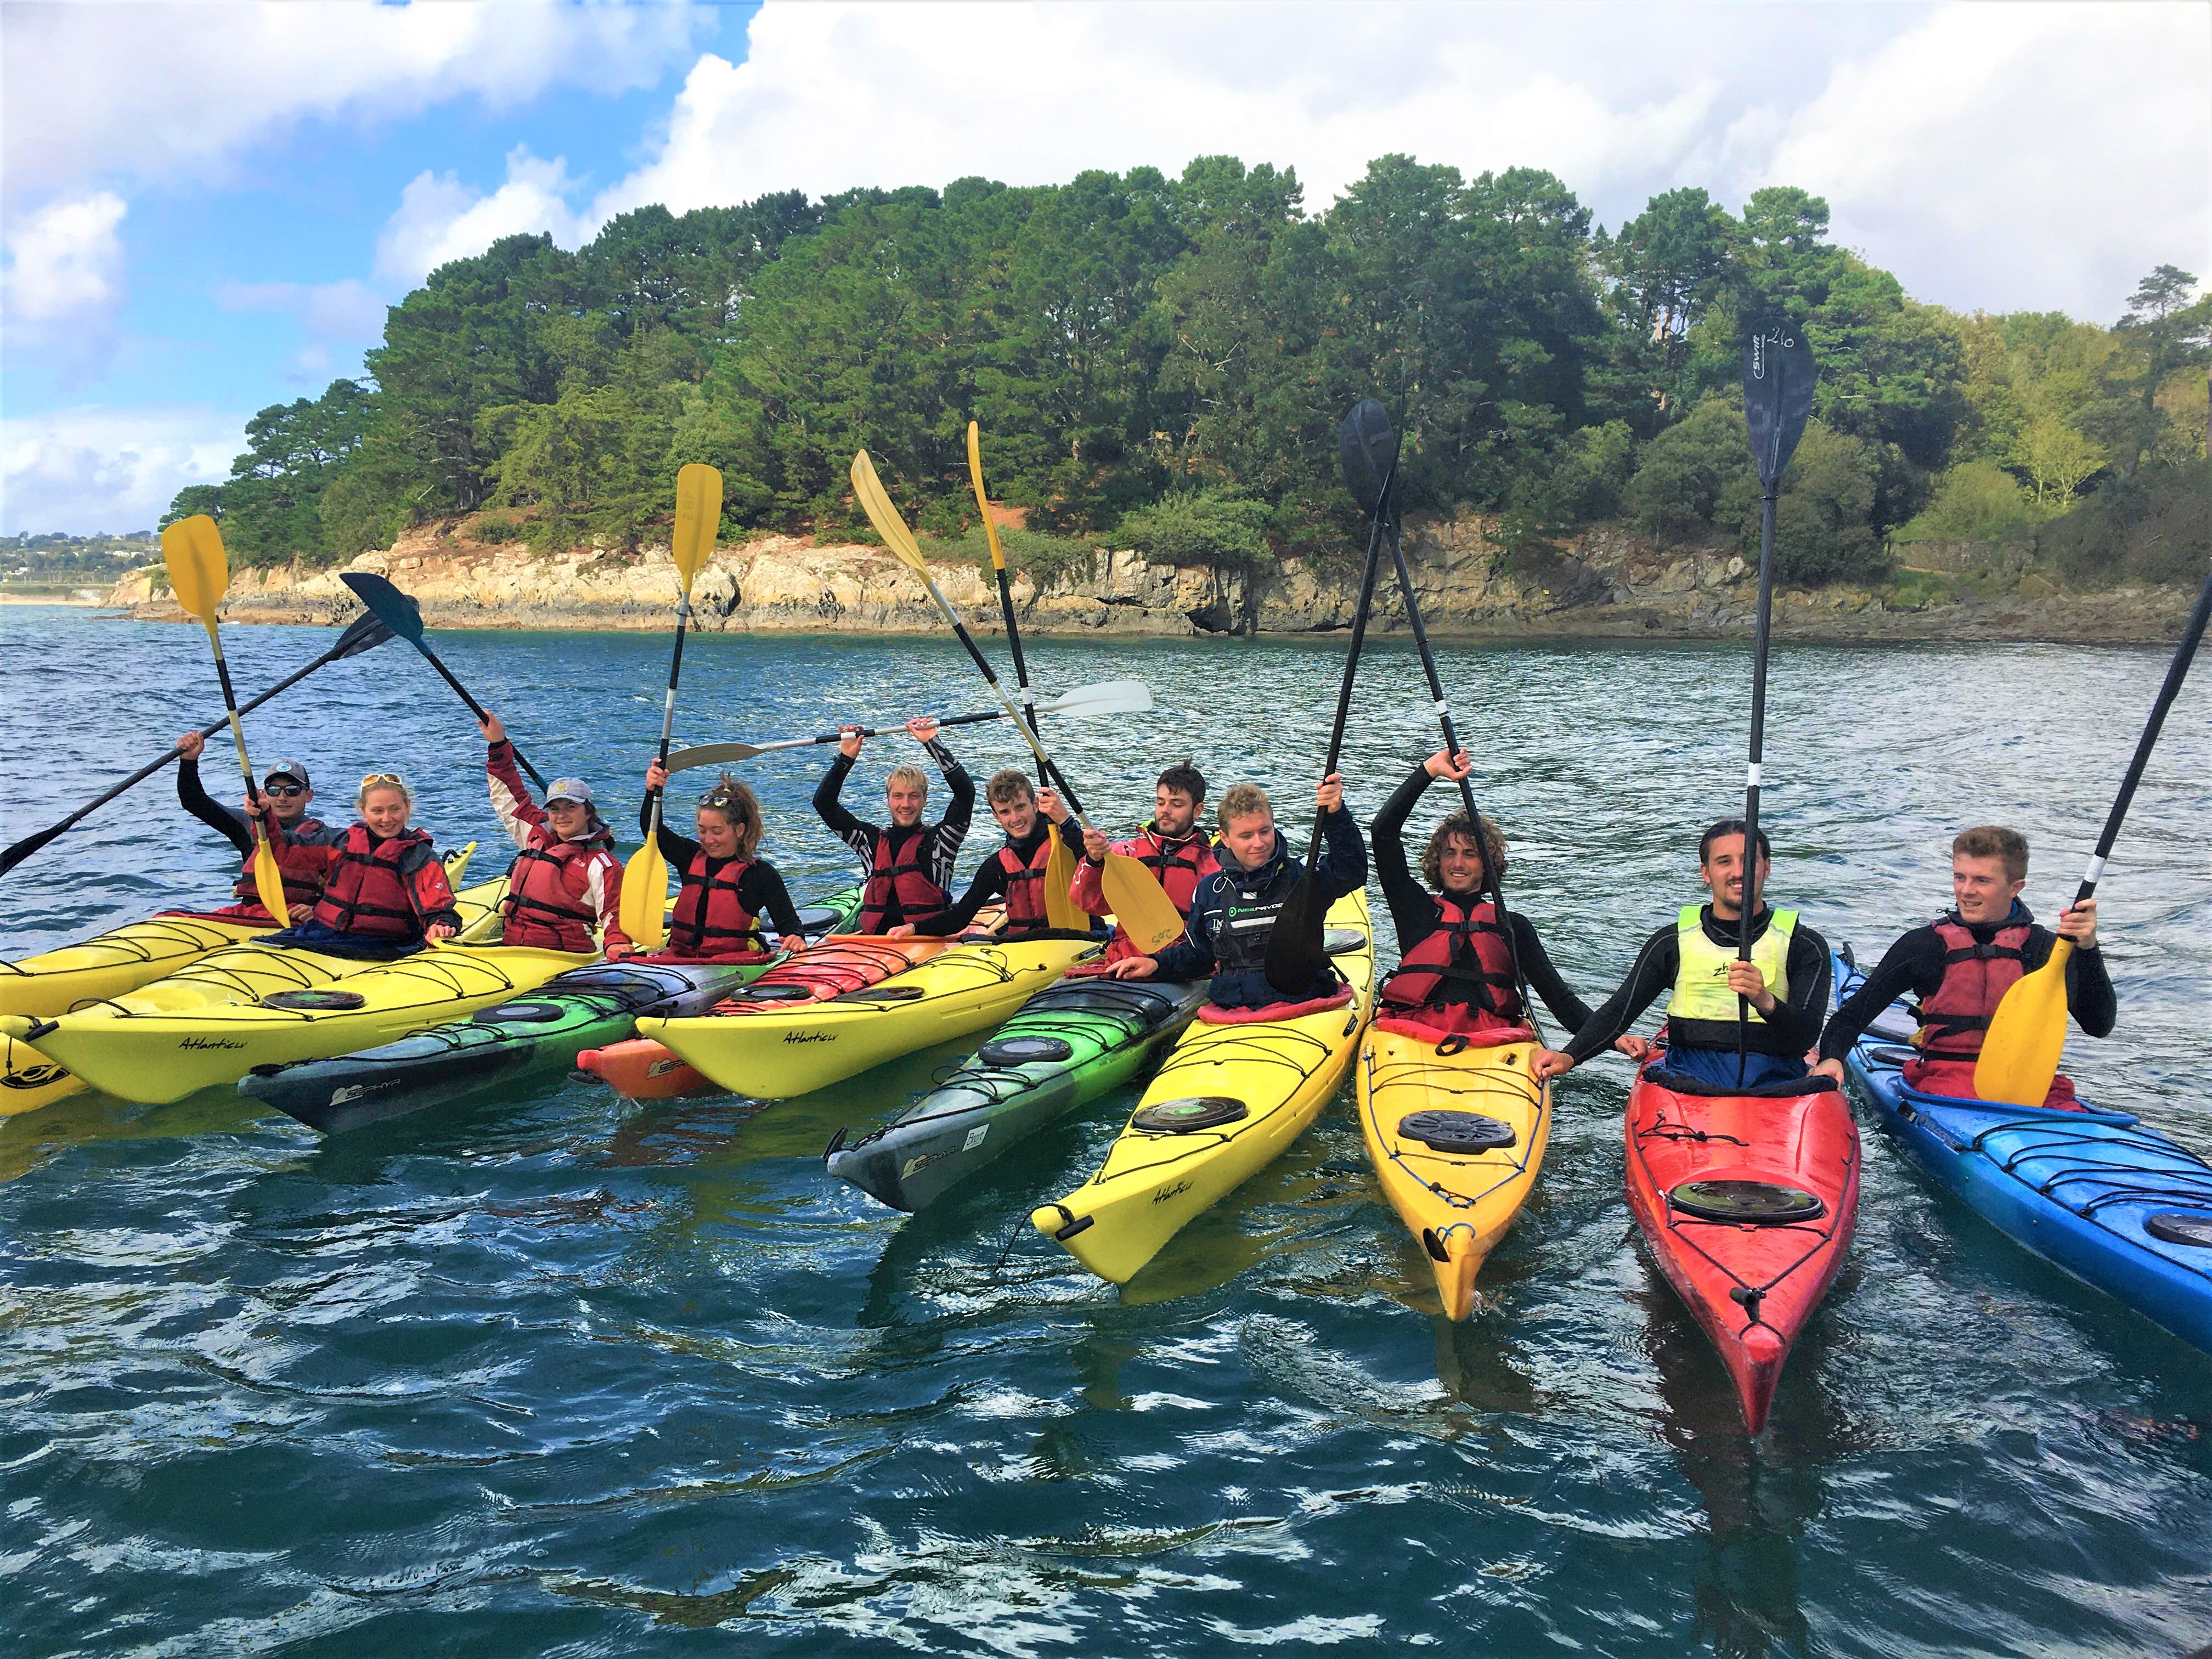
point(375, 778)
point(284, 791)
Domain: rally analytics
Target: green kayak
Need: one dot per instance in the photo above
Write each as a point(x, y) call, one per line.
point(1070, 1044)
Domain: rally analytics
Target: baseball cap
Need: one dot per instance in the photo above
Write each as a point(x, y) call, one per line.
point(575, 789)
point(286, 768)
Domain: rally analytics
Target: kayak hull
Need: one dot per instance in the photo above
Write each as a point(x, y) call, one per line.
point(29, 1080)
point(1751, 1286)
point(120, 960)
point(1088, 1037)
point(775, 1051)
point(2077, 1188)
point(645, 1068)
point(1456, 1204)
point(1281, 1072)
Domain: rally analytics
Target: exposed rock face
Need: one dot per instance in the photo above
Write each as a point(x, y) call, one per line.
point(1606, 582)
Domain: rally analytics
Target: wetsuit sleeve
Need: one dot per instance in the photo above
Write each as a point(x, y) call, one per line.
point(947, 833)
point(1192, 957)
point(1544, 979)
point(679, 849)
point(990, 882)
point(1913, 964)
point(861, 837)
point(1413, 907)
point(1343, 867)
point(423, 875)
point(1649, 976)
point(227, 821)
point(1811, 968)
point(523, 819)
point(762, 891)
point(2089, 995)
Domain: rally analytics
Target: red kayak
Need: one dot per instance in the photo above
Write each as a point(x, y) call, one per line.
point(1746, 1202)
point(643, 1069)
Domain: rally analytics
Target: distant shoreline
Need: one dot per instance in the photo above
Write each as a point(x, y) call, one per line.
point(70, 600)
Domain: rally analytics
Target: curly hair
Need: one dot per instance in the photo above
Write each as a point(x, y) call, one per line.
point(1456, 828)
point(1007, 787)
point(740, 809)
point(1994, 840)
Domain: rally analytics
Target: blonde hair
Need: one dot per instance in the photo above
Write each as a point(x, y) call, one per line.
point(909, 775)
point(1007, 786)
point(1243, 800)
point(376, 780)
point(1455, 828)
point(740, 809)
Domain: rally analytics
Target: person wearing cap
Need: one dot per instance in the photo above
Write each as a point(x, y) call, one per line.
point(564, 885)
point(286, 787)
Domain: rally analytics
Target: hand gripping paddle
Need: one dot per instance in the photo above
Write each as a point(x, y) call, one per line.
point(1144, 910)
point(199, 572)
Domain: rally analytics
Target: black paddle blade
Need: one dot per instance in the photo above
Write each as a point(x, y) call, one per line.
point(367, 633)
point(1296, 951)
point(1777, 395)
point(1368, 449)
point(387, 604)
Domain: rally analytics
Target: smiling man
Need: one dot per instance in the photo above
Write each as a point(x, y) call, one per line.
point(1960, 966)
point(909, 863)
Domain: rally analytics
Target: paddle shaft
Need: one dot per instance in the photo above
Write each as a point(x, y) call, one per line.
point(1749, 908)
point(2176, 672)
point(475, 707)
point(23, 850)
point(1490, 879)
point(1045, 767)
point(668, 703)
point(230, 715)
point(1367, 576)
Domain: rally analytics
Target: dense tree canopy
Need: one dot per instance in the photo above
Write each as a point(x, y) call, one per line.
point(1165, 360)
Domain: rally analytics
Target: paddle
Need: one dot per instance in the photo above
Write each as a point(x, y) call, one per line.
point(1372, 417)
point(1059, 858)
point(1296, 951)
point(698, 521)
point(198, 573)
point(2028, 1033)
point(399, 613)
point(1144, 910)
point(1777, 399)
point(1107, 697)
point(366, 635)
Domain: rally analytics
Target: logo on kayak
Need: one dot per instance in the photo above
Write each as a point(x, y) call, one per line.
point(210, 1043)
point(808, 1037)
point(339, 1097)
point(1167, 1193)
point(662, 1068)
point(923, 1162)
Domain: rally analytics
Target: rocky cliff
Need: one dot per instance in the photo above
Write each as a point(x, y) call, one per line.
point(1605, 582)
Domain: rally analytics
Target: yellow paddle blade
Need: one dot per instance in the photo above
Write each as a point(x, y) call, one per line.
point(645, 897)
point(698, 520)
point(868, 491)
point(1060, 908)
point(269, 882)
point(1147, 914)
point(982, 501)
point(198, 570)
point(2027, 1036)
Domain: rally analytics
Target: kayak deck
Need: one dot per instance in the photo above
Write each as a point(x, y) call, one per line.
point(1456, 1203)
point(2098, 1194)
point(1276, 1076)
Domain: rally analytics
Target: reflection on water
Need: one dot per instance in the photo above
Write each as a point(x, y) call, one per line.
point(555, 1373)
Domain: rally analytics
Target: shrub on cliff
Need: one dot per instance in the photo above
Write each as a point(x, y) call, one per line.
point(1975, 501)
point(1199, 526)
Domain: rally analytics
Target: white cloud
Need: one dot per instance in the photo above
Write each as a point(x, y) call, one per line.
point(440, 218)
point(160, 91)
point(66, 260)
point(94, 468)
point(1994, 154)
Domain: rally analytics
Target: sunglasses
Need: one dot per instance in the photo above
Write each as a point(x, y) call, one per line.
point(284, 791)
point(372, 779)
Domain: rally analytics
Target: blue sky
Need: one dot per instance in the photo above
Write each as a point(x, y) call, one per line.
point(207, 206)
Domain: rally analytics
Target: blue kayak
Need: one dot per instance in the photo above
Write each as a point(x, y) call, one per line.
point(2113, 1201)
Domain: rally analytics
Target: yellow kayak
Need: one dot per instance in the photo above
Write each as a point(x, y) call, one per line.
point(29, 1079)
point(138, 953)
point(1457, 1140)
point(774, 1051)
point(1228, 1100)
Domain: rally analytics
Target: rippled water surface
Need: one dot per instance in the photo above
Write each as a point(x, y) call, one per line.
point(554, 1375)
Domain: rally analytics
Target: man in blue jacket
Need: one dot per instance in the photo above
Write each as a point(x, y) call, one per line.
point(1234, 910)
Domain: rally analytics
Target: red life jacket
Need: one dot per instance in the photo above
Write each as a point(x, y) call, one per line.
point(1180, 868)
point(1464, 962)
point(904, 878)
point(1976, 976)
point(302, 867)
point(365, 893)
point(548, 903)
point(709, 919)
point(1025, 878)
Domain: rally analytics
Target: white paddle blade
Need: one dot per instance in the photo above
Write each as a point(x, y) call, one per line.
point(1107, 697)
